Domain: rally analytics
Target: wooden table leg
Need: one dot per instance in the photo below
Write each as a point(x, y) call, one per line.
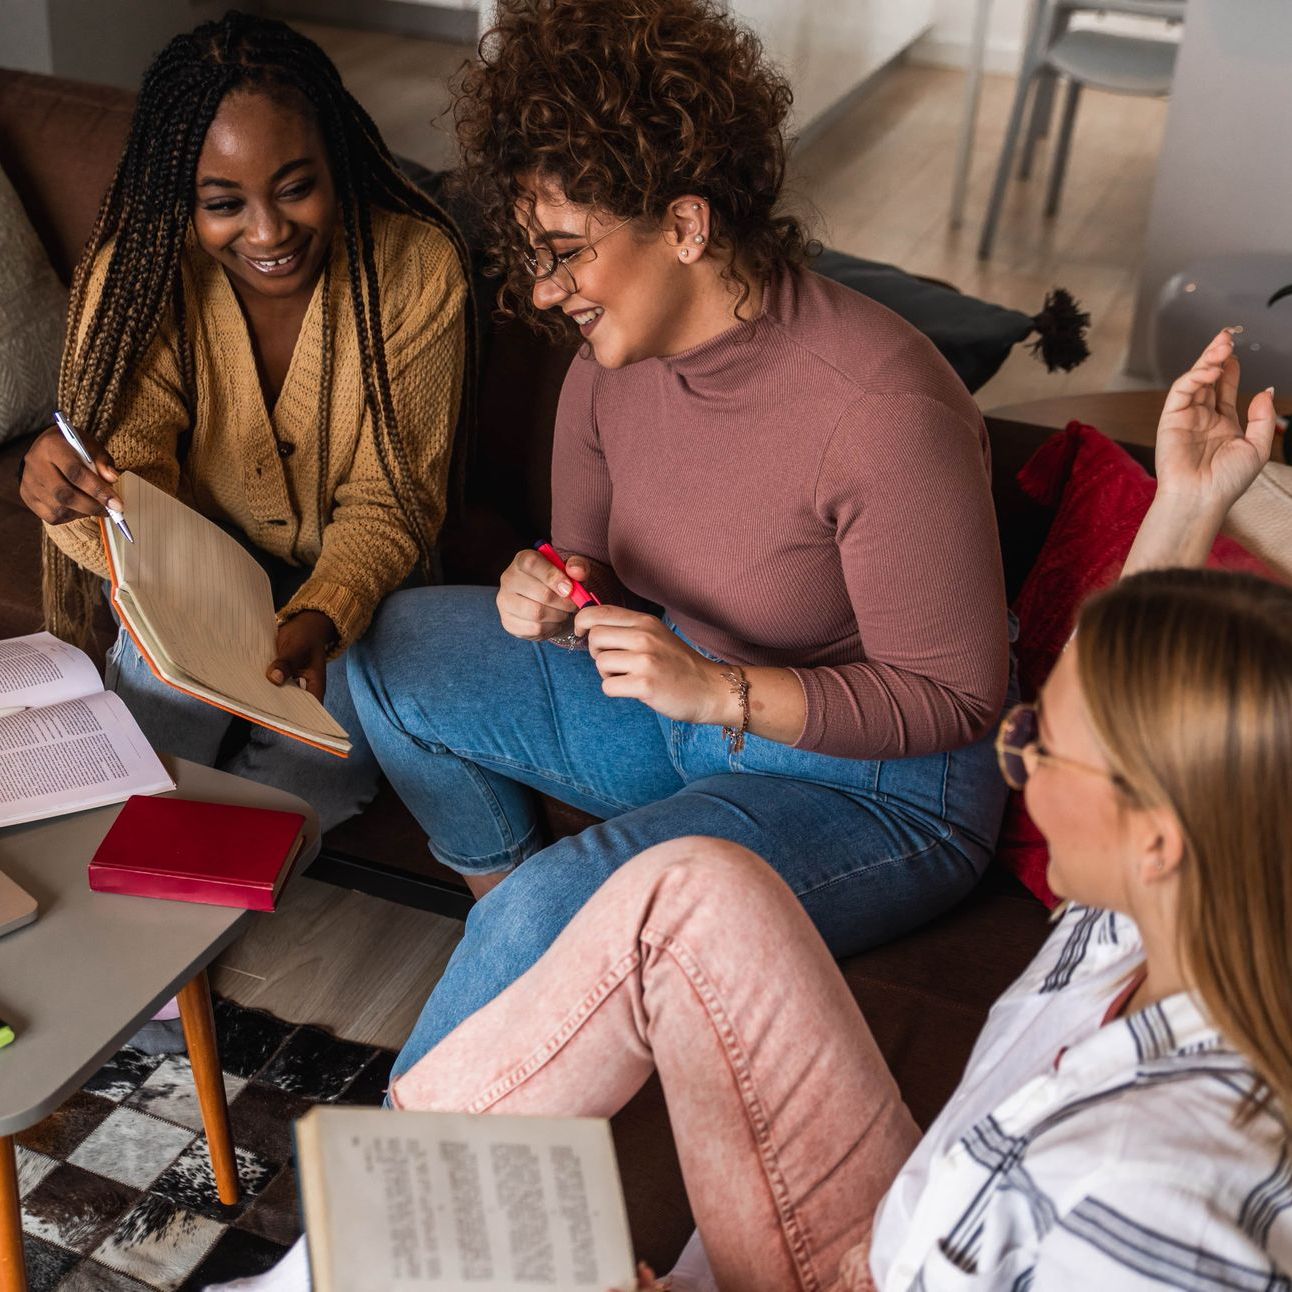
point(13, 1272)
point(199, 1033)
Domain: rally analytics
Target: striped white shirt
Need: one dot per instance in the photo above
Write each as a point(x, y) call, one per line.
point(1101, 1158)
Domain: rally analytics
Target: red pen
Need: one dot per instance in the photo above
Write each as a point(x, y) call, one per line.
point(578, 593)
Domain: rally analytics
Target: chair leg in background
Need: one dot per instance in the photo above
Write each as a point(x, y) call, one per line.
point(969, 116)
point(199, 1032)
point(1038, 122)
point(1003, 168)
point(1059, 163)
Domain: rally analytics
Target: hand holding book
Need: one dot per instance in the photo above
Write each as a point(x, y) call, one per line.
point(199, 607)
point(302, 650)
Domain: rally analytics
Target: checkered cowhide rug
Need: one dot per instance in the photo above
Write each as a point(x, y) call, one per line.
point(117, 1190)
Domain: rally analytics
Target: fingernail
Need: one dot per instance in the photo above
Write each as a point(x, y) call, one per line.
point(1269, 390)
point(113, 473)
point(564, 589)
point(1235, 329)
point(275, 676)
point(114, 504)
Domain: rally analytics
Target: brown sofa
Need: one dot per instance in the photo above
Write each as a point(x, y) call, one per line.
point(925, 996)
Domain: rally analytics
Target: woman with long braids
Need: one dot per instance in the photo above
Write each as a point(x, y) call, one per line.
point(268, 320)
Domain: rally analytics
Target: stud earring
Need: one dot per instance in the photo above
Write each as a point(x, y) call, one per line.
point(699, 237)
point(685, 252)
point(695, 206)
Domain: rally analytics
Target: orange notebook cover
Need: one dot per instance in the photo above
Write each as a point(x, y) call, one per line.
point(186, 851)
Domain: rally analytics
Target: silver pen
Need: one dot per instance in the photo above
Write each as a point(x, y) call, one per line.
point(68, 432)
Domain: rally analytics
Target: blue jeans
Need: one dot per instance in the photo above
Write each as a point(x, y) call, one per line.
point(175, 723)
point(469, 723)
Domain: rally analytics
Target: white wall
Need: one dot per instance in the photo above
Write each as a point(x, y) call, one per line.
point(947, 44)
point(86, 41)
point(830, 47)
point(1223, 184)
point(827, 47)
point(24, 36)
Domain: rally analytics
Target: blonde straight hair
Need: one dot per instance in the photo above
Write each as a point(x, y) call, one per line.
point(1187, 677)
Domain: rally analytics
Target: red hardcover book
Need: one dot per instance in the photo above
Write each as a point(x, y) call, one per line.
point(186, 851)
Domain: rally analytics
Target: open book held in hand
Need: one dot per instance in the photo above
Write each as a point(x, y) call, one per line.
point(422, 1200)
point(201, 611)
point(66, 744)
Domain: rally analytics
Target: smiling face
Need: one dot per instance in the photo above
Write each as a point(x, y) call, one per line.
point(632, 295)
point(266, 205)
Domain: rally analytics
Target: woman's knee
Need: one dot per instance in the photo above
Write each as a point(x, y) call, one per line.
point(417, 636)
point(707, 868)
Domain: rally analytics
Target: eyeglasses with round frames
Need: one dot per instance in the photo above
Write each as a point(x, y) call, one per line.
point(1019, 740)
point(544, 264)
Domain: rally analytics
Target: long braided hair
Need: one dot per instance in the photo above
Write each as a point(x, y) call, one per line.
point(146, 215)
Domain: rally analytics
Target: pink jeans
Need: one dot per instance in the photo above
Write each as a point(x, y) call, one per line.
point(695, 961)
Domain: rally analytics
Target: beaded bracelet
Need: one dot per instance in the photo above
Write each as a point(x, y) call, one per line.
point(735, 678)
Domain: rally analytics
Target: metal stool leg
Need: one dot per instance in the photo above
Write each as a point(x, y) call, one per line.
point(973, 93)
point(1003, 168)
point(1038, 123)
point(1059, 165)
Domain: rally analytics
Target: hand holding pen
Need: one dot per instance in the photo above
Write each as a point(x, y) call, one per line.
point(539, 593)
point(67, 478)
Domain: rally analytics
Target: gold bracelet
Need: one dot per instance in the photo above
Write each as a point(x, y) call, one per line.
point(735, 678)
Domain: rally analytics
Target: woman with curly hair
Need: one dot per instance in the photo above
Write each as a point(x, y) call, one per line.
point(268, 320)
point(791, 472)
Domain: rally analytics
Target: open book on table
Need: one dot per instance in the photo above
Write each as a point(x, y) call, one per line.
point(422, 1200)
point(201, 611)
point(66, 744)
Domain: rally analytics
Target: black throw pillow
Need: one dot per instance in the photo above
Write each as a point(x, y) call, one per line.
point(974, 336)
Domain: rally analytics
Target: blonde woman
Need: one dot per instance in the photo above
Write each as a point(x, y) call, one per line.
point(1123, 1121)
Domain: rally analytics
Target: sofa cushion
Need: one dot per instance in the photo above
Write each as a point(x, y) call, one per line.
point(32, 307)
point(20, 543)
point(59, 143)
point(974, 336)
point(1100, 495)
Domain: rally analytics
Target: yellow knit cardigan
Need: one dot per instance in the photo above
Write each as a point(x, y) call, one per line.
point(259, 470)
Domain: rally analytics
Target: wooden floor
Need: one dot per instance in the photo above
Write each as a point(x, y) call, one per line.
point(878, 181)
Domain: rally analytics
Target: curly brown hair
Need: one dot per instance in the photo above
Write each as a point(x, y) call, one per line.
point(627, 105)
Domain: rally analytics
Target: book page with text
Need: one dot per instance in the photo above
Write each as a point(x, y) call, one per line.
point(72, 756)
point(39, 669)
point(422, 1200)
point(206, 604)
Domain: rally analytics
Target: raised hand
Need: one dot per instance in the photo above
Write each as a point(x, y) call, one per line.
point(1206, 460)
point(1204, 454)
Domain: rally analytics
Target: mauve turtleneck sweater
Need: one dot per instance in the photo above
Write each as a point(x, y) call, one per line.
point(813, 493)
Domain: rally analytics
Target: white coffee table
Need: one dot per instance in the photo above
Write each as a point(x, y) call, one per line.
point(81, 980)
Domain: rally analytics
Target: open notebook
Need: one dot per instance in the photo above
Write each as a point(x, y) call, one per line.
point(66, 744)
point(201, 611)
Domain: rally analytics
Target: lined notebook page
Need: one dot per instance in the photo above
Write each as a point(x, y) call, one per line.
point(206, 609)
